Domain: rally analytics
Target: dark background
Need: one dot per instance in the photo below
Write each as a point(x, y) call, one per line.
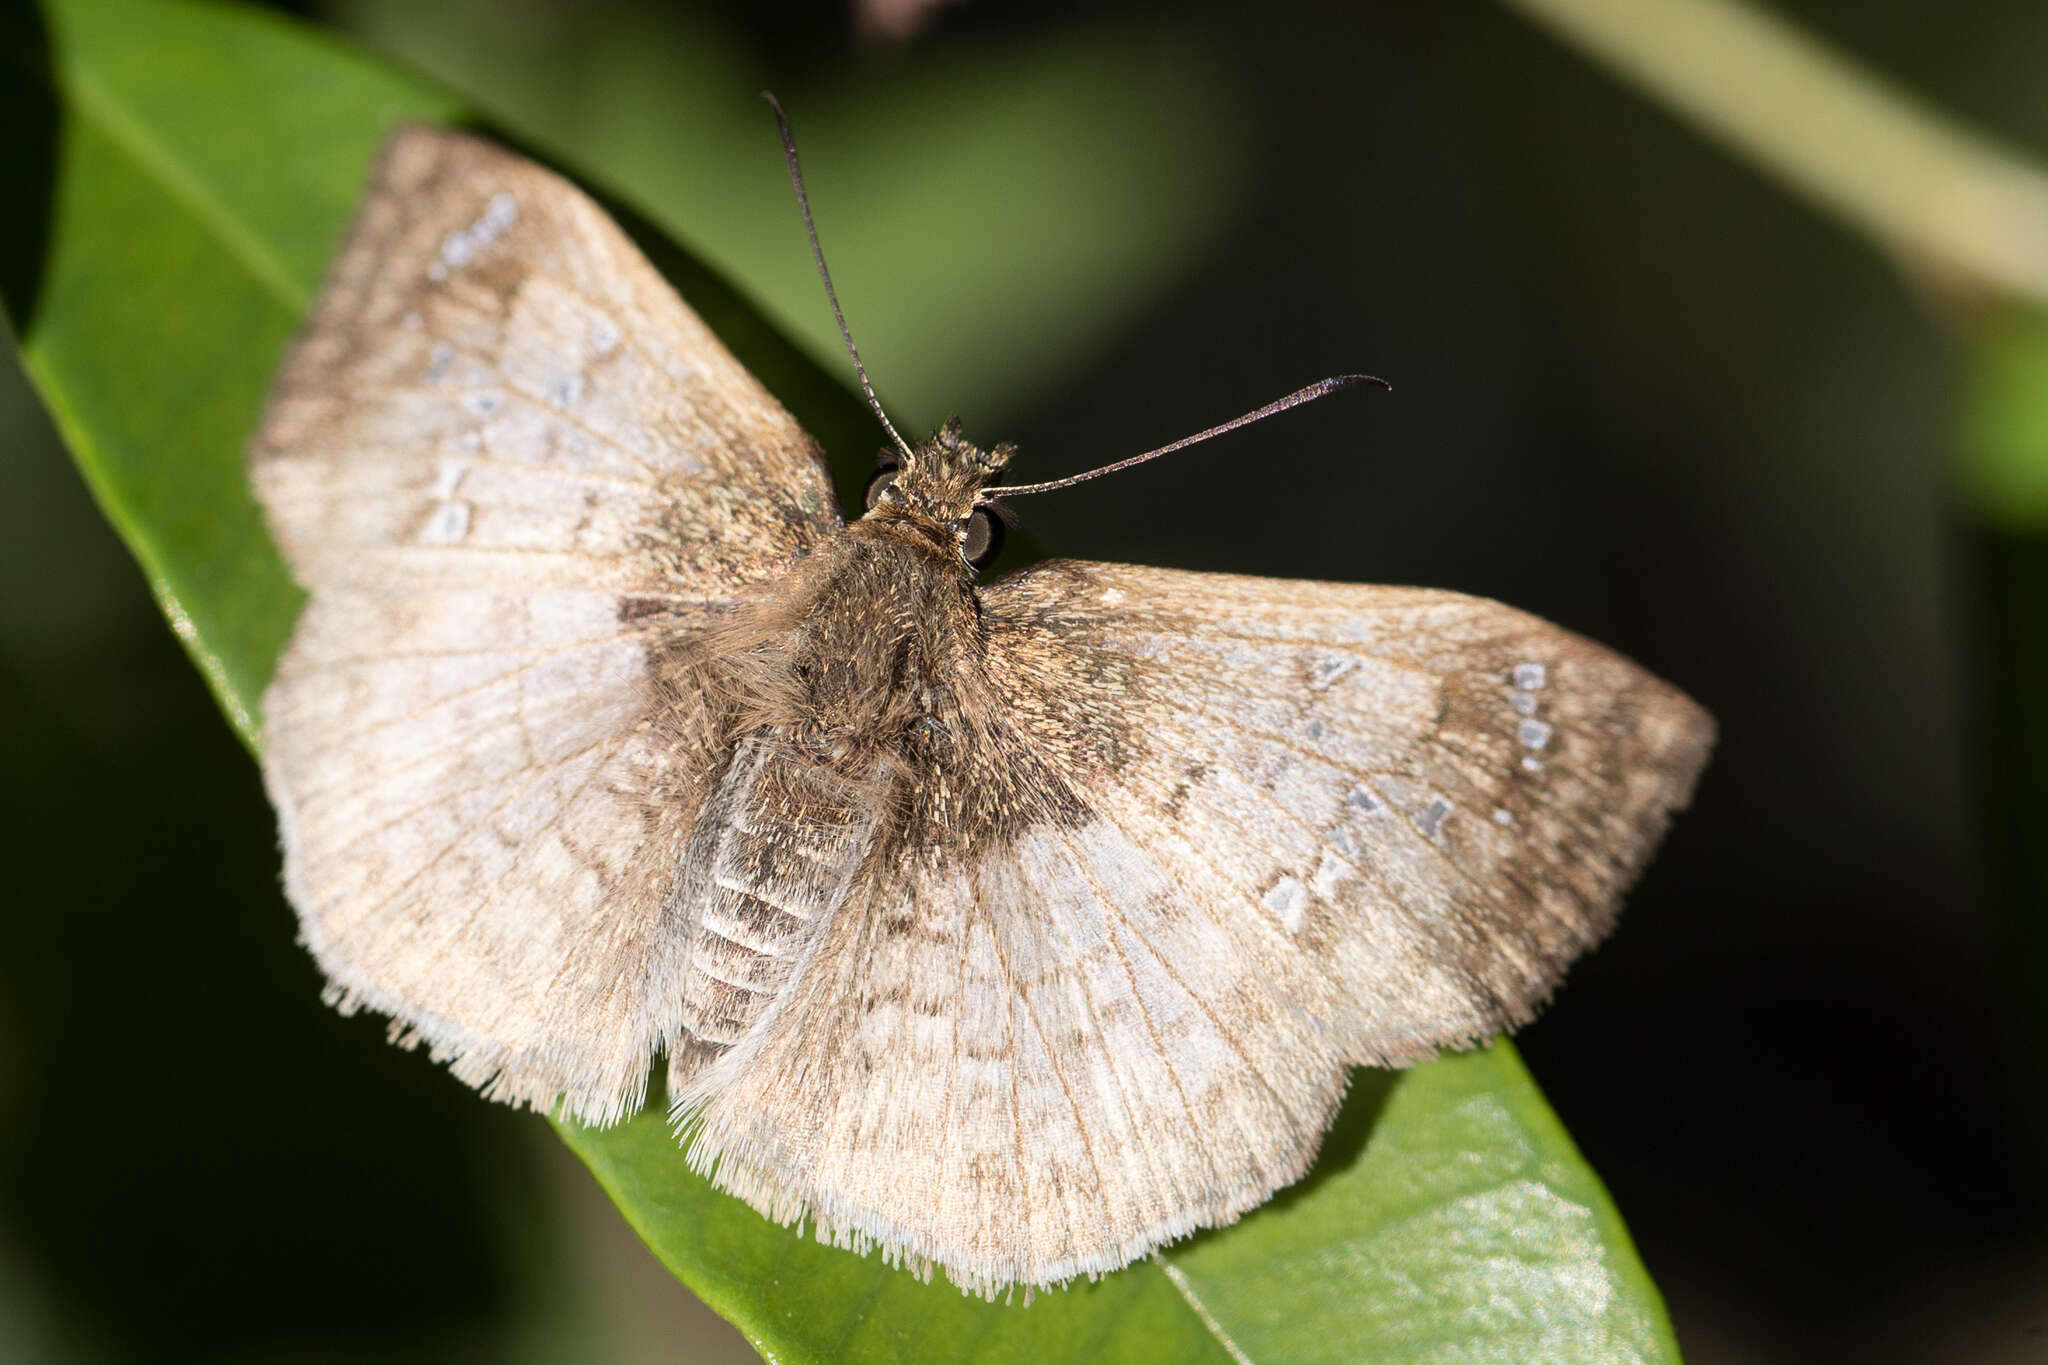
point(1638, 390)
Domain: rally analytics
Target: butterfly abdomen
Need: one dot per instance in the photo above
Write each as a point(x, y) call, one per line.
point(781, 839)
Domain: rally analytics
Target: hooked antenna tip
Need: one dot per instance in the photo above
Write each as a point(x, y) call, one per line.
point(1320, 389)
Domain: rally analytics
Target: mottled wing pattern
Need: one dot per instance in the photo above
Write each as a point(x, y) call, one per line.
point(512, 468)
point(1278, 828)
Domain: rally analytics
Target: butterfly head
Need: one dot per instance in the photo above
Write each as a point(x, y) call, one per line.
point(944, 487)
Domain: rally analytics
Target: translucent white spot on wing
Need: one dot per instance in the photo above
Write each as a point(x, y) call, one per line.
point(1530, 763)
point(1534, 734)
point(1329, 875)
point(500, 213)
point(438, 361)
point(604, 336)
point(447, 474)
point(448, 524)
point(1112, 596)
point(1433, 817)
point(1287, 898)
point(1503, 817)
point(1327, 670)
point(1531, 676)
point(460, 247)
point(565, 391)
point(1523, 702)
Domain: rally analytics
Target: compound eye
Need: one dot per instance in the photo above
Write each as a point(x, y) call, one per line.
point(878, 481)
point(981, 538)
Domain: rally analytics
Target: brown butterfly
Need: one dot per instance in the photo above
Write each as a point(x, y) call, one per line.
point(1015, 927)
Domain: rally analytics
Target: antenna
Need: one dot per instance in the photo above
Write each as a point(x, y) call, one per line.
point(1321, 388)
point(803, 202)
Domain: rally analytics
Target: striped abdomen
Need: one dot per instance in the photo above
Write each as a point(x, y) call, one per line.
point(774, 852)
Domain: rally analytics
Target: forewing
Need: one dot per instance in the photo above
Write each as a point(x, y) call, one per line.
point(517, 474)
point(1250, 832)
point(1429, 803)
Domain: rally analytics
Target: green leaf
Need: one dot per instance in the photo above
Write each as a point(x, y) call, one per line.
point(186, 170)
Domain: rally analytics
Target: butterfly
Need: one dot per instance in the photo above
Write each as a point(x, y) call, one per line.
point(1012, 927)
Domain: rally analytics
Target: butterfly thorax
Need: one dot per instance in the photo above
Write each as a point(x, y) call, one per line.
point(852, 658)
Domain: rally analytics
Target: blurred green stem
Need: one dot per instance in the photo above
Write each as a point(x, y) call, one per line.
point(1896, 170)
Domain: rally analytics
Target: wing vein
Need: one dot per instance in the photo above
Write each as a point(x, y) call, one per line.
point(1023, 998)
point(351, 738)
point(1145, 1141)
